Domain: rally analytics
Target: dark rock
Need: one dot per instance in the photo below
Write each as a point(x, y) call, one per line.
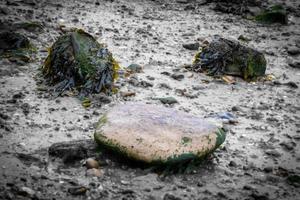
point(166, 73)
point(73, 151)
point(292, 84)
point(288, 145)
point(164, 85)
point(294, 63)
point(145, 84)
point(191, 46)
point(294, 180)
point(167, 100)
point(13, 41)
point(293, 50)
point(273, 153)
point(135, 68)
point(26, 108)
point(268, 169)
point(177, 77)
point(77, 190)
point(171, 197)
point(232, 164)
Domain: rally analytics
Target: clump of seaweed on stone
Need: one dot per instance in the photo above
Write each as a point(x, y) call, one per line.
point(77, 62)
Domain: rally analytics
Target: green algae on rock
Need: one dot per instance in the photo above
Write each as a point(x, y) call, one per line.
point(15, 45)
point(275, 14)
point(222, 56)
point(77, 60)
point(157, 135)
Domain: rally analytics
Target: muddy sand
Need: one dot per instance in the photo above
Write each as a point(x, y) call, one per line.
point(45, 140)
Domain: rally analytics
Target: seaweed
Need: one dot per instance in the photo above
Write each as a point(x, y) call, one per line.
point(77, 61)
point(274, 14)
point(229, 57)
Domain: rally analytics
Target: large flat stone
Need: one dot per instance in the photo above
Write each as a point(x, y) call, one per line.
point(156, 134)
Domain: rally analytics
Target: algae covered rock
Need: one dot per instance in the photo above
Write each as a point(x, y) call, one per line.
point(274, 14)
point(77, 60)
point(222, 56)
point(15, 45)
point(157, 135)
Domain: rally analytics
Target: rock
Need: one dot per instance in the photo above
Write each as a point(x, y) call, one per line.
point(274, 14)
point(273, 153)
point(167, 100)
point(288, 145)
point(294, 180)
point(71, 152)
point(177, 77)
point(171, 197)
point(87, 65)
point(94, 172)
point(293, 50)
point(222, 56)
point(91, 163)
point(77, 190)
point(294, 63)
point(157, 135)
point(127, 94)
point(26, 191)
point(135, 68)
point(232, 164)
point(191, 46)
point(15, 46)
point(165, 85)
point(291, 84)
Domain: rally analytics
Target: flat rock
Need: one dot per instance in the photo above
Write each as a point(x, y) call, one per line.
point(157, 135)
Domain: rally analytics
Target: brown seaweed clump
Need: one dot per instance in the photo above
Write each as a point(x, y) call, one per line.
point(222, 56)
point(77, 61)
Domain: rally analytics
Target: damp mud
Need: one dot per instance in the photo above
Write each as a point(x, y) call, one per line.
point(45, 140)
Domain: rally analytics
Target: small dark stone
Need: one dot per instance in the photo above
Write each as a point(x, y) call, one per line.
point(77, 190)
point(191, 46)
point(177, 77)
point(170, 197)
point(232, 164)
point(168, 100)
point(292, 84)
point(135, 68)
point(293, 50)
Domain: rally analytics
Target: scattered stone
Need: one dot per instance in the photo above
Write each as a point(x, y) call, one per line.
point(273, 153)
point(177, 77)
point(167, 100)
point(293, 50)
point(94, 172)
point(155, 134)
point(77, 190)
point(288, 145)
point(127, 94)
point(164, 85)
point(191, 46)
point(26, 191)
point(294, 63)
point(294, 180)
point(232, 164)
point(135, 68)
point(91, 163)
point(291, 84)
point(171, 197)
